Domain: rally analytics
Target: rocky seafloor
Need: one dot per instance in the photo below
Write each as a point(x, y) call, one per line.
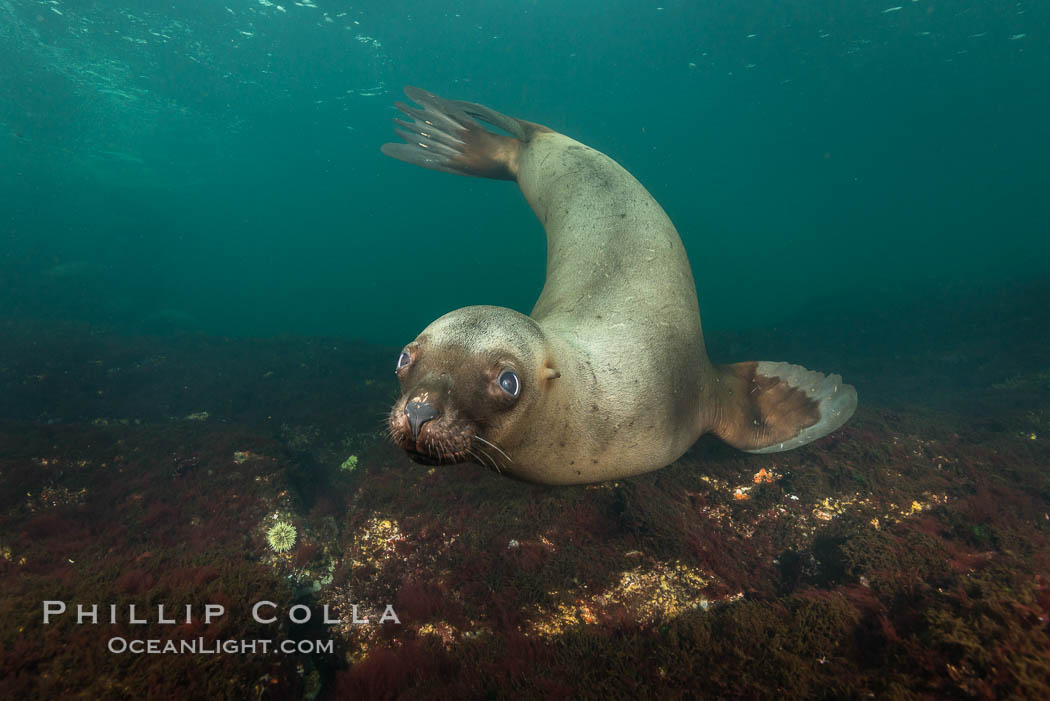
point(906, 556)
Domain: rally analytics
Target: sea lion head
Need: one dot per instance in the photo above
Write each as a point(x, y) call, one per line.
point(467, 382)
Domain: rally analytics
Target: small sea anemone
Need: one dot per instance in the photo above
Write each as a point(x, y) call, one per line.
point(281, 536)
point(349, 464)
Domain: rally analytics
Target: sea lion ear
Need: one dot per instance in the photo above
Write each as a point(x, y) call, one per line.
point(550, 373)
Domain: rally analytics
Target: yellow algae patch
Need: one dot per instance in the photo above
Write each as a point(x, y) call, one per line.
point(374, 543)
point(652, 595)
point(554, 622)
point(665, 591)
point(441, 629)
point(917, 507)
point(716, 483)
point(830, 507)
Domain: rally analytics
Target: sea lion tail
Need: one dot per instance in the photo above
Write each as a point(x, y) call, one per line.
point(768, 407)
point(446, 135)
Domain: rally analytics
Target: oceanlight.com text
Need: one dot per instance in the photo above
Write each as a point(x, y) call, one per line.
point(199, 646)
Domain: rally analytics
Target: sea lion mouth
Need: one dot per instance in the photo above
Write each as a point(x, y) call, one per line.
point(443, 440)
point(434, 445)
point(431, 459)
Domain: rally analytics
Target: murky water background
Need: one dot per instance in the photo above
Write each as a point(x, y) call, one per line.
point(215, 166)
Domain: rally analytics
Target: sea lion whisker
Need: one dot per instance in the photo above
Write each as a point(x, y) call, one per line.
point(501, 451)
point(491, 462)
point(485, 453)
point(482, 460)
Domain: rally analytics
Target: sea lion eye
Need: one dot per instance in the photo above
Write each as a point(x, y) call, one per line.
point(510, 383)
point(403, 359)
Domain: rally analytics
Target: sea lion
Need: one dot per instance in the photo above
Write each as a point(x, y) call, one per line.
point(608, 376)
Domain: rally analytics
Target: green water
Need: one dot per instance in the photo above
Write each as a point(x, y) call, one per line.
point(215, 166)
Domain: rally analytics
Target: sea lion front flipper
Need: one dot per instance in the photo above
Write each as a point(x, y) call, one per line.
point(769, 407)
point(445, 135)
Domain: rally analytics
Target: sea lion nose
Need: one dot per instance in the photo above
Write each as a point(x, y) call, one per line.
point(419, 413)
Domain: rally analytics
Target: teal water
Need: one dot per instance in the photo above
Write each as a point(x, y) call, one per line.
point(214, 165)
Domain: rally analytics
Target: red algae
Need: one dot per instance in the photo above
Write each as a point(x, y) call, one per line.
point(907, 556)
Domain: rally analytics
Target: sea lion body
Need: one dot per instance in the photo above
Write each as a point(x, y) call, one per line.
point(610, 368)
point(619, 294)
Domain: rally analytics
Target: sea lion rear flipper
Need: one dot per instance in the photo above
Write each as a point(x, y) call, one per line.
point(445, 135)
point(769, 407)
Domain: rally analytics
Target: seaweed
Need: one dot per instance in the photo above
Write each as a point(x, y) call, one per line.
point(907, 556)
